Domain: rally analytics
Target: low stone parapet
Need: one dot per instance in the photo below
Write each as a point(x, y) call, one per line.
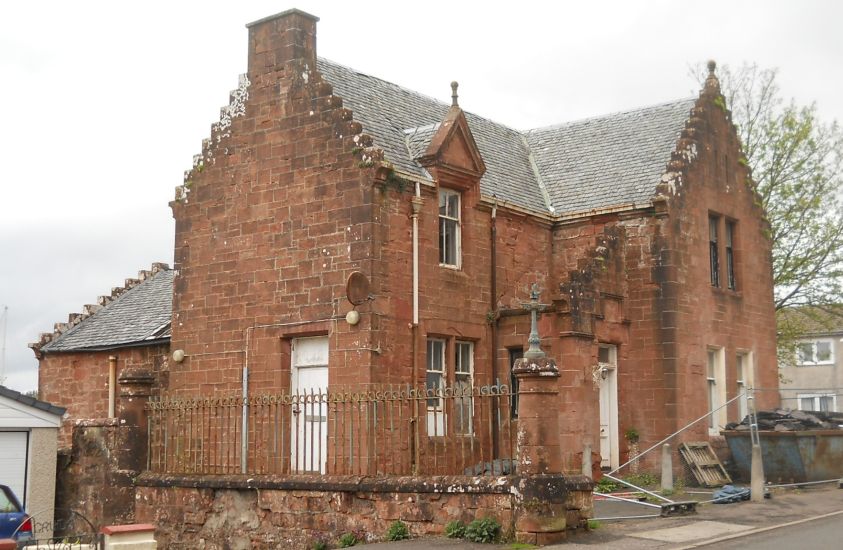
point(295, 512)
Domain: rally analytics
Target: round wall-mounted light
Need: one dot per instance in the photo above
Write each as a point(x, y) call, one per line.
point(352, 317)
point(178, 355)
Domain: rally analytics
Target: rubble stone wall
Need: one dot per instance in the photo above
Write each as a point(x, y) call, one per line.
point(93, 478)
point(238, 513)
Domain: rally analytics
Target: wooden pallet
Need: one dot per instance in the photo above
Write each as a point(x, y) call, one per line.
point(704, 464)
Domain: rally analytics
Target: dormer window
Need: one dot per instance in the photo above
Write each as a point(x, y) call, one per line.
point(449, 228)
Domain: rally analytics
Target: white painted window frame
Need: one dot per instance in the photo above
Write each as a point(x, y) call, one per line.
point(814, 342)
point(716, 388)
point(457, 220)
point(744, 380)
point(816, 397)
point(462, 370)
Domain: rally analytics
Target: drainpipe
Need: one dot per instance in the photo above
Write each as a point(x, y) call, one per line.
point(416, 204)
point(112, 385)
point(244, 430)
point(493, 236)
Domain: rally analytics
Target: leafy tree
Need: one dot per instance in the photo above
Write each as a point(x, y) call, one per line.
point(797, 166)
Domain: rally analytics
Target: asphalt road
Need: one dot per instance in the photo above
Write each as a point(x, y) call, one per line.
point(820, 534)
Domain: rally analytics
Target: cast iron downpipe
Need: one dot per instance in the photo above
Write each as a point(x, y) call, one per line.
point(416, 204)
point(493, 324)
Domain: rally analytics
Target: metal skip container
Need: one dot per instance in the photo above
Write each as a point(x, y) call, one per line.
point(790, 456)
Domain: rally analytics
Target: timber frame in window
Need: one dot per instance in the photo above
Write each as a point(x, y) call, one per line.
point(713, 252)
point(731, 283)
point(450, 244)
point(456, 412)
point(815, 352)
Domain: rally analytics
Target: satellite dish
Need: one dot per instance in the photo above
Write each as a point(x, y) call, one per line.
point(357, 288)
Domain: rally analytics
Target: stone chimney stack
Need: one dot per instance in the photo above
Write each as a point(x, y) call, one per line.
point(278, 39)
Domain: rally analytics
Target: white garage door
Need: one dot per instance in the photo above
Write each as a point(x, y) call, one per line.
point(13, 449)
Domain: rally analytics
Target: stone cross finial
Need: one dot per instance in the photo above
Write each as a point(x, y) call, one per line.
point(533, 306)
point(454, 86)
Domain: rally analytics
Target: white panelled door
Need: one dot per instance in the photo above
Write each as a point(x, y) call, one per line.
point(309, 372)
point(607, 358)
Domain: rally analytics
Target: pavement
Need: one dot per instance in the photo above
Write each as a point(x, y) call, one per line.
point(712, 526)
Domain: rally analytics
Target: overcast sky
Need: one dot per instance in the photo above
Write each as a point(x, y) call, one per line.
point(107, 102)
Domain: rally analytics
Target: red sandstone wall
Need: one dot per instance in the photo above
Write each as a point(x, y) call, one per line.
point(454, 303)
point(78, 381)
point(741, 319)
point(276, 217)
point(279, 213)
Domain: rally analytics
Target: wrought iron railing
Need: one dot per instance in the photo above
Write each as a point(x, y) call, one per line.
point(382, 431)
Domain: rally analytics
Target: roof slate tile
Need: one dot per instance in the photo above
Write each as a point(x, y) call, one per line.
point(594, 163)
point(141, 313)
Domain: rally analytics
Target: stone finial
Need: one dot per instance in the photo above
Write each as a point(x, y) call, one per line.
point(454, 96)
point(712, 84)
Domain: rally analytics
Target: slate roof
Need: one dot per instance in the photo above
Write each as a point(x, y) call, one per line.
point(595, 163)
point(31, 401)
point(604, 161)
point(815, 321)
point(141, 314)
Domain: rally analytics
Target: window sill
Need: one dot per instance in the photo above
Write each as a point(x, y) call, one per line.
point(727, 292)
point(452, 267)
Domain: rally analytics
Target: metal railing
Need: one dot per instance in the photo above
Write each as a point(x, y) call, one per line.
point(381, 431)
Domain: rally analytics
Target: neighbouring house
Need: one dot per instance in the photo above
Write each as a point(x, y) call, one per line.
point(352, 261)
point(80, 362)
point(814, 379)
point(82, 365)
point(28, 435)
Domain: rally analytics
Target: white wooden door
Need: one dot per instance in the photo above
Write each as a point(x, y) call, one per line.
point(13, 451)
point(609, 450)
point(309, 439)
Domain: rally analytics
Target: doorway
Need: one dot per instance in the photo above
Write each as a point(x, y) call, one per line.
point(607, 358)
point(309, 371)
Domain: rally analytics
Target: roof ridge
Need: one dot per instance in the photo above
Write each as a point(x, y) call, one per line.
point(88, 310)
point(548, 203)
point(688, 99)
point(445, 104)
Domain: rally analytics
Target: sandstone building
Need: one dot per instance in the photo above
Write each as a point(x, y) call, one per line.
point(641, 229)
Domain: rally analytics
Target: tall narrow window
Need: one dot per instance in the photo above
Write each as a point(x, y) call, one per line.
point(449, 228)
point(435, 380)
point(712, 387)
point(740, 382)
point(463, 372)
point(514, 355)
point(712, 250)
point(715, 374)
point(730, 255)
